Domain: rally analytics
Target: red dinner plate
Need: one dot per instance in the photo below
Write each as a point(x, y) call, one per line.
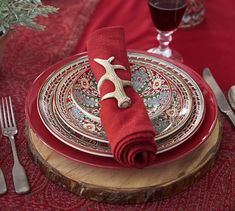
point(52, 142)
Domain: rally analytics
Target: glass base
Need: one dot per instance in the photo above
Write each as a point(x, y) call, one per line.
point(171, 54)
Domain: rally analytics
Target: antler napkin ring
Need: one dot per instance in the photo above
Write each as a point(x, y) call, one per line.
point(119, 93)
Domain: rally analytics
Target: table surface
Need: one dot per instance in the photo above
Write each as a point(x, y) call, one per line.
point(29, 52)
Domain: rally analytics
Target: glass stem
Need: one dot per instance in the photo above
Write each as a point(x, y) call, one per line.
point(164, 38)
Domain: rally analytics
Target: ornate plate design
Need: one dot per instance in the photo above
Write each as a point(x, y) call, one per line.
point(172, 118)
point(34, 121)
point(50, 118)
point(152, 86)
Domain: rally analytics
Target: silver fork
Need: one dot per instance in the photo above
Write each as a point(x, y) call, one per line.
point(9, 130)
point(3, 186)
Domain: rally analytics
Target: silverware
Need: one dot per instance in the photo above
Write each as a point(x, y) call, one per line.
point(220, 98)
point(231, 96)
point(3, 186)
point(9, 130)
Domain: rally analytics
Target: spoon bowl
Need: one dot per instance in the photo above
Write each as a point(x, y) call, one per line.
point(231, 96)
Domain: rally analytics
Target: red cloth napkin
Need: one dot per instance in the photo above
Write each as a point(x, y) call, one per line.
point(129, 131)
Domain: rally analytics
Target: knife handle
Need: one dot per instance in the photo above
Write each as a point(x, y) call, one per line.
point(231, 116)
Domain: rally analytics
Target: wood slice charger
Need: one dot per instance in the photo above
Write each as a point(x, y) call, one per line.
point(125, 186)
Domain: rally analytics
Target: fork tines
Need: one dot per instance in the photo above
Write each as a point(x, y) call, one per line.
point(7, 118)
point(9, 130)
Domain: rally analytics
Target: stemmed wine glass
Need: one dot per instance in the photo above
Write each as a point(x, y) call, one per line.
point(166, 16)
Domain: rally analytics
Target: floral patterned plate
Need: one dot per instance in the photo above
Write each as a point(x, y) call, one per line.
point(33, 119)
point(50, 117)
point(171, 118)
point(152, 86)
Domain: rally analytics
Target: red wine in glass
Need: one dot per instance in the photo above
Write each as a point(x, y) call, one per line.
point(166, 16)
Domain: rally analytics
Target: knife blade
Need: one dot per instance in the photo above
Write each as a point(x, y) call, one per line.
point(220, 98)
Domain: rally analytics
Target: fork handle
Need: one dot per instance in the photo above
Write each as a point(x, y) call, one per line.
point(20, 179)
point(19, 175)
point(3, 187)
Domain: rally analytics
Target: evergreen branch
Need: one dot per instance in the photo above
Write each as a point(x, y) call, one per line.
point(22, 12)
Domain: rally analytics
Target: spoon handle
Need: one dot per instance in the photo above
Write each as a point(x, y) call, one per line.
point(231, 117)
point(231, 96)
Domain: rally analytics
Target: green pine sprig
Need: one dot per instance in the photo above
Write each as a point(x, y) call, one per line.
point(22, 12)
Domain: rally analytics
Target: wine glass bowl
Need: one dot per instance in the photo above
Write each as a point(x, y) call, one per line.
point(166, 16)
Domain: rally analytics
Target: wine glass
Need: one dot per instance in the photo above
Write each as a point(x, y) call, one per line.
point(166, 16)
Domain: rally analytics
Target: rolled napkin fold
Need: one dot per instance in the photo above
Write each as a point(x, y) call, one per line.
point(128, 129)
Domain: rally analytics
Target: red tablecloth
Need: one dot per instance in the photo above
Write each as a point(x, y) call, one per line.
point(29, 52)
point(210, 44)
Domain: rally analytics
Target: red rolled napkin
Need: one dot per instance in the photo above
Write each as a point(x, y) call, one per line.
point(129, 130)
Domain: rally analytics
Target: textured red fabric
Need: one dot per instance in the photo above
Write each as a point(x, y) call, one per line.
point(29, 52)
point(129, 130)
point(208, 44)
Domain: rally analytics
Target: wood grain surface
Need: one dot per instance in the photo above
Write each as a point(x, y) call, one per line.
point(125, 186)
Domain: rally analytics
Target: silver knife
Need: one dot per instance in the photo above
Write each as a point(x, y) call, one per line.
point(220, 98)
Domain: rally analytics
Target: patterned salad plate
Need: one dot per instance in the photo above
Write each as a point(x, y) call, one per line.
point(154, 88)
point(70, 124)
point(172, 117)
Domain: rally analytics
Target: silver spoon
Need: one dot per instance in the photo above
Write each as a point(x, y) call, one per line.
point(231, 96)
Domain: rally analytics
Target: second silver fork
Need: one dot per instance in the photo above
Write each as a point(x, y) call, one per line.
point(3, 186)
point(9, 130)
